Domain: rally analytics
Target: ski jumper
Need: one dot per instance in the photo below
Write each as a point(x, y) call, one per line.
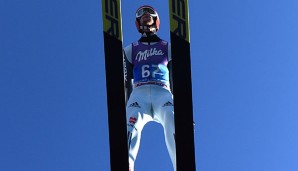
point(151, 98)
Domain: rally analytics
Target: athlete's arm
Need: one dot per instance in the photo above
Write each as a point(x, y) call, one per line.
point(170, 66)
point(128, 75)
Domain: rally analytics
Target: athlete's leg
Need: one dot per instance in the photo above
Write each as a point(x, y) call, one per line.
point(137, 110)
point(164, 113)
point(169, 131)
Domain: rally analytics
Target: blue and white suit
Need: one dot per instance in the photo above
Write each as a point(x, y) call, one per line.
point(148, 77)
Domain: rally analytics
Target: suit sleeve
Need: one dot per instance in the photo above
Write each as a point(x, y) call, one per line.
point(128, 75)
point(170, 66)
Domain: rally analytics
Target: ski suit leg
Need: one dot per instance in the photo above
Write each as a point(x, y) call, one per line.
point(138, 112)
point(164, 113)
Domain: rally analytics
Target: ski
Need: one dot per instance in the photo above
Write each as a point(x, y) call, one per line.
point(182, 86)
point(112, 28)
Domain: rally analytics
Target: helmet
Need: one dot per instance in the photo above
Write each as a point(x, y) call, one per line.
point(143, 10)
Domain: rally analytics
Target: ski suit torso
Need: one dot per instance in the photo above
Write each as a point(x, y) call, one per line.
point(150, 63)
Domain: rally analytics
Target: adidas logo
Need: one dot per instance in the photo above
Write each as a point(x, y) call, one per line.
point(168, 104)
point(135, 104)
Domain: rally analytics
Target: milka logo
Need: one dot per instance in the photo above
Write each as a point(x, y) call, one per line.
point(147, 53)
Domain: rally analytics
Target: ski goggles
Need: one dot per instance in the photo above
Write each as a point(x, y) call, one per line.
point(145, 10)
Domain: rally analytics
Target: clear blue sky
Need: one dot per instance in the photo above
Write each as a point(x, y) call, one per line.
point(53, 114)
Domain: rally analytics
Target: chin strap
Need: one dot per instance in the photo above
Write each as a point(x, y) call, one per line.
point(148, 34)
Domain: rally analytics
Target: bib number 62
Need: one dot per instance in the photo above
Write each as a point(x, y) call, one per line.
point(148, 70)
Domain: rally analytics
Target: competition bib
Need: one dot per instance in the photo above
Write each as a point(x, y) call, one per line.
point(150, 62)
